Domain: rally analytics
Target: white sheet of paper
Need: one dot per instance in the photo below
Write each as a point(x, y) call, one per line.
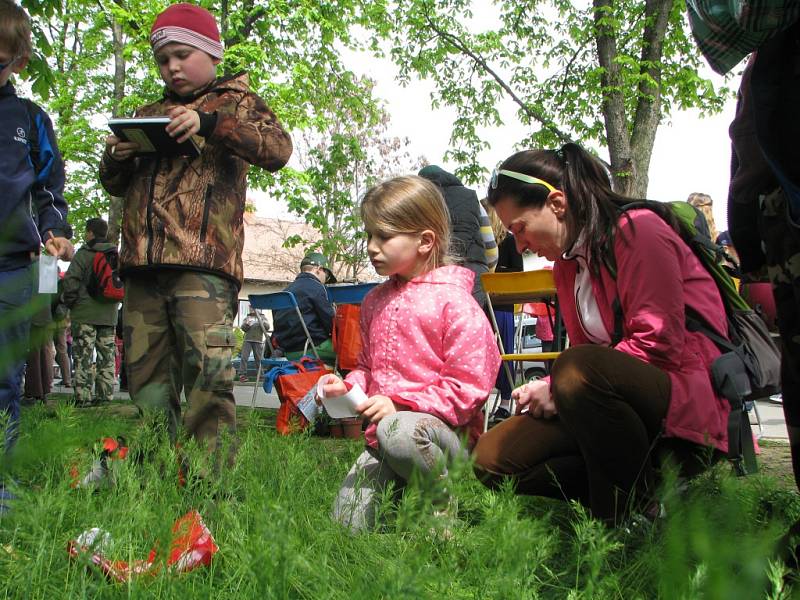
point(341, 407)
point(48, 274)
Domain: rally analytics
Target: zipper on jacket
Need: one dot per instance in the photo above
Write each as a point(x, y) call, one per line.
point(34, 218)
point(206, 209)
point(150, 212)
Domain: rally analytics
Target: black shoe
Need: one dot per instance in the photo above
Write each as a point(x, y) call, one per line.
point(500, 414)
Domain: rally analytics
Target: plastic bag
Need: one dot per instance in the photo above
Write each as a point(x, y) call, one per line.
point(192, 546)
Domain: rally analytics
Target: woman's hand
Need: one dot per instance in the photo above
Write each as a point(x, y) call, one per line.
point(184, 123)
point(377, 407)
point(536, 399)
point(332, 386)
point(119, 150)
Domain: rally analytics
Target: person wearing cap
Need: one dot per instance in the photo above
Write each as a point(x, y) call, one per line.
point(312, 298)
point(182, 226)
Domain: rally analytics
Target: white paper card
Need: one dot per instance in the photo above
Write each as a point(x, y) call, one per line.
point(341, 407)
point(48, 274)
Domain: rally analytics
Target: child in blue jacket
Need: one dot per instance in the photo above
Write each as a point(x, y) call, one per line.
point(32, 209)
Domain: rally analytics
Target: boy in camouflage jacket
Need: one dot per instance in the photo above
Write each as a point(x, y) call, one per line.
point(182, 226)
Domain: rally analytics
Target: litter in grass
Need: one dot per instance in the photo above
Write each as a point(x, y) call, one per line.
point(192, 546)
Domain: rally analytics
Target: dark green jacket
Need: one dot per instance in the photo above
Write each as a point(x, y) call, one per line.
point(84, 308)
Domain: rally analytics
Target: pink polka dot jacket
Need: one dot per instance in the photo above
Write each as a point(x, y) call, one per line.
point(428, 346)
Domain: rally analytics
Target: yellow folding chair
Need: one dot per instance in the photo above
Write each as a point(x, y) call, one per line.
point(517, 289)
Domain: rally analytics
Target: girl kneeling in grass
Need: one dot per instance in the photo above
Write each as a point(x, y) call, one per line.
point(428, 358)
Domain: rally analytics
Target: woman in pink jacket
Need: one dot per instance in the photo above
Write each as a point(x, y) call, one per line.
point(596, 429)
point(428, 358)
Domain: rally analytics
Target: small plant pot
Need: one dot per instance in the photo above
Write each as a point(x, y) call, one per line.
point(336, 430)
point(351, 427)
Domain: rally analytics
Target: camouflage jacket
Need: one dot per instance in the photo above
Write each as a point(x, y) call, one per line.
point(187, 213)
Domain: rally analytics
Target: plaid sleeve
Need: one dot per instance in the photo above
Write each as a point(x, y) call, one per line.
point(726, 32)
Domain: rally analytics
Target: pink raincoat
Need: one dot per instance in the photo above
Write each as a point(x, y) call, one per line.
point(657, 276)
point(428, 346)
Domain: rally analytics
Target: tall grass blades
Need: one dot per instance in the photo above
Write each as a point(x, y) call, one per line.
point(270, 514)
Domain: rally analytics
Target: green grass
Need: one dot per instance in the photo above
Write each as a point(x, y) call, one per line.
point(270, 517)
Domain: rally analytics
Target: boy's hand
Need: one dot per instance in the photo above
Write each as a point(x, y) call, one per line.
point(184, 122)
point(377, 407)
point(119, 150)
point(60, 247)
point(535, 397)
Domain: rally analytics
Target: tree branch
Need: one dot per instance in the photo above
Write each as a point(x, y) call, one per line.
point(479, 61)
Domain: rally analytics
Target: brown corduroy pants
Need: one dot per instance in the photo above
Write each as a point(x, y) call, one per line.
point(599, 449)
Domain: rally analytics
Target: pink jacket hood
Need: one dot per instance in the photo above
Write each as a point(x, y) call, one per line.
point(658, 275)
point(428, 346)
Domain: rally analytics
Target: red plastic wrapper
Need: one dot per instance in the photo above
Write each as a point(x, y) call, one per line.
point(110, 452)
point(192, 546)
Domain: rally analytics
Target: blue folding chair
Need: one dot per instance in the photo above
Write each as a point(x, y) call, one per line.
point(350, 293)
point(275, 301)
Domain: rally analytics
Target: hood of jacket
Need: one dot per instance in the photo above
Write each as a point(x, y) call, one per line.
point(439, 176)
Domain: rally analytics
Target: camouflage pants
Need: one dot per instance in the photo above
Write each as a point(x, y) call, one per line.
point(85, 339)
point(782, 243)
point(178, 335)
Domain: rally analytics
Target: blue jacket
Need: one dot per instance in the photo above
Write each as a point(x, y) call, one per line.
point(31, 198)
point(312, 298)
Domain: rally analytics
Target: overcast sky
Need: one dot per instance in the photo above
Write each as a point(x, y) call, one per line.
point(691, 154)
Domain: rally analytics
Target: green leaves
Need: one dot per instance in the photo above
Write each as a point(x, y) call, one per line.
point(566, 66)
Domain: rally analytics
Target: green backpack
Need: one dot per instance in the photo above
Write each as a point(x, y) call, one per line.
point(749, 367)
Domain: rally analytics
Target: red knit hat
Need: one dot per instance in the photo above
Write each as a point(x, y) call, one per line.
point(187, 24)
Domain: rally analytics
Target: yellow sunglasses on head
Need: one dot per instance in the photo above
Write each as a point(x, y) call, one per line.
point(519, 177)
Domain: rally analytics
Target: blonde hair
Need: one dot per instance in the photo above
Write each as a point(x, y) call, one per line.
point(704, 203)
point(409, 205)
point(498, 229)
point(15, 29)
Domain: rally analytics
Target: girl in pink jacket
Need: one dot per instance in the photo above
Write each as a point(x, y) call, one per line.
point(428, 359)
point(596, 429)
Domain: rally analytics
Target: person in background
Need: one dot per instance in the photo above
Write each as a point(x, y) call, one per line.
point(428, 359)
point(508, 261)
point(93, 321)
point(121, 369)
point(182, 228)
point(312, 299)
point(705, 205)
point(465, 225)
point(621, 397)
point(41, 354)
point(488, 236)
point(253, 342)
point(61, 324)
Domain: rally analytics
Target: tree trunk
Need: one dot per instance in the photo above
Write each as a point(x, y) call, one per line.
point(648, 109)
point(630, 153)
point(115, 204)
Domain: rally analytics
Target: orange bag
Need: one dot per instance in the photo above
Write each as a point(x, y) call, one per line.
point(291, 388)
point(347, 335)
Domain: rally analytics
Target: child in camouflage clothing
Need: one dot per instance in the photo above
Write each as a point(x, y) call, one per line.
point(182, 230)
